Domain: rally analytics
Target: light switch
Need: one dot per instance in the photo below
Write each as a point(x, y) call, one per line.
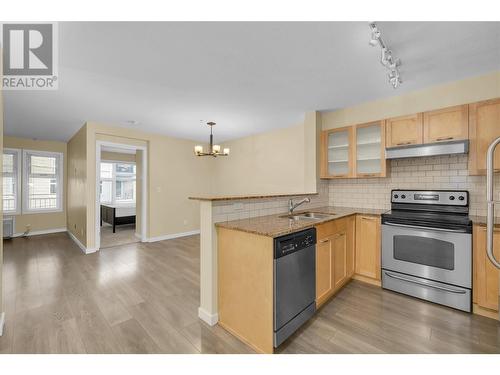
point(158, 189)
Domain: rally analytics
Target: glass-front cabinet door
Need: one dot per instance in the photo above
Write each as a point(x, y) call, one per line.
point(337, 153)
point(370, 150)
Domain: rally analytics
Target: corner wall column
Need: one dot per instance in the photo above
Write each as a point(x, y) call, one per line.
point(208, 310)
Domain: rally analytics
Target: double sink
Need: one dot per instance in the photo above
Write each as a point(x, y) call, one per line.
point(308, 216)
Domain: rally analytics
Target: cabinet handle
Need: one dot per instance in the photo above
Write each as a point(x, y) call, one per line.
point(368, 218)
point(323, 241)
point(444, 139)
point(403, 143)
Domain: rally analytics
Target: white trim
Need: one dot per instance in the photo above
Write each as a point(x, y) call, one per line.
point(39, 232)
point(80, 245)
point(2, 322)
point(59, 177)
point(117, 161)
point(144, 187)
point(19, 172)
point(210, 319)
point(172, 236)
point(137, 235)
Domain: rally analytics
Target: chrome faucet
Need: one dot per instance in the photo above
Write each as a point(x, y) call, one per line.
point(292, 206)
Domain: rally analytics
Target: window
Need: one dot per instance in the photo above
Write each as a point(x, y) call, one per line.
point(11, 181)
point(42, 187)
point(118, 183)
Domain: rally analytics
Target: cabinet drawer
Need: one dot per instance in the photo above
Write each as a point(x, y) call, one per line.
point(330, 228)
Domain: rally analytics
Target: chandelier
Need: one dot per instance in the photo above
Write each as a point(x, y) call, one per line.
point(214, 150)
point(391, 63)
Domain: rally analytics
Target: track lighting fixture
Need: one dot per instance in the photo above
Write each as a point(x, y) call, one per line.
point(386, 59)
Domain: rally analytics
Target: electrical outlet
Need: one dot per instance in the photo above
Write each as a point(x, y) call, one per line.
point(185, 222)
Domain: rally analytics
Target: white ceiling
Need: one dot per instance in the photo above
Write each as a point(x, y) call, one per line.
point(247, 77)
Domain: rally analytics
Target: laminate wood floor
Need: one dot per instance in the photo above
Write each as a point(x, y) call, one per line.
point(143, 298)
point(124, 235)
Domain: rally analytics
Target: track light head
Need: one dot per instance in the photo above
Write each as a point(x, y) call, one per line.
point(386, 59)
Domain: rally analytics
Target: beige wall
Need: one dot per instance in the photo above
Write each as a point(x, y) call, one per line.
point(77, 186)
point(177, 175)
point(41, 221)
point(117, 156)
point(459, 92)
point(279, 161)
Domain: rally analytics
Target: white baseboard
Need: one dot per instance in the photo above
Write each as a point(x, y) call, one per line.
point(172, 236)
point(80, 245)
point(39, 232)
point(210, 319)
point(2, 322)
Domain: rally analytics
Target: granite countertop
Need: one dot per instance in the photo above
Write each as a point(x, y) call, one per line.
point(278, 225)
point(244, 197)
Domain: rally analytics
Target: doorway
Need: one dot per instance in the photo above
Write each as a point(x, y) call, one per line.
point(121, 194)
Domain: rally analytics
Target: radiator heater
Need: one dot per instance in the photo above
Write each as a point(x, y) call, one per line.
point(8, 227)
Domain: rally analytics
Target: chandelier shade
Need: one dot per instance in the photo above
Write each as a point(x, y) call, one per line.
point(213, 150)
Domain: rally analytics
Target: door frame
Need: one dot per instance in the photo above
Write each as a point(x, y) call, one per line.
point(144, 188)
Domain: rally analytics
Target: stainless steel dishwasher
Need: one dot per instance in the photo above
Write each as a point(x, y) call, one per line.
point(294, 282)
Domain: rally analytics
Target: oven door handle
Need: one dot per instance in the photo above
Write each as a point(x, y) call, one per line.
point(426, 284)
point(428, 228)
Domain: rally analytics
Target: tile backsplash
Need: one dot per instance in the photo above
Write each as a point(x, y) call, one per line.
point(244, 209)
point(426, 173)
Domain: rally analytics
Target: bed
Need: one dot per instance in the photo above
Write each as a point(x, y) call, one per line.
point(117, 214)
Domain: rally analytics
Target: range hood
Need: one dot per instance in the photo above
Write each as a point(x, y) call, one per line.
point(429, 149)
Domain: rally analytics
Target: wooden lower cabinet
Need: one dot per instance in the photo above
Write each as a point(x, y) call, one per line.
point(324, 271)
point(334, 257)
point(368, 248)
point(339, 259)
point(485, 274)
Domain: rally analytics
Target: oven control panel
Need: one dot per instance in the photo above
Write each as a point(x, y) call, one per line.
point(441, 197)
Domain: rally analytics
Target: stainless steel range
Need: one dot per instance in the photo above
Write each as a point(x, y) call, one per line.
point(427, 246)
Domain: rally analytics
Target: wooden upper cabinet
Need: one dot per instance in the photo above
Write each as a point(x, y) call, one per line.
point(354, 151)
point(446, 124)
point(370, 150)
point(486, 275)
point(368, 246)
point(337, 153)
point(404, 130)
point(484, 128)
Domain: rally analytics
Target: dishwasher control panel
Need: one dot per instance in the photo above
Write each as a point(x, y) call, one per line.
point(291, 243)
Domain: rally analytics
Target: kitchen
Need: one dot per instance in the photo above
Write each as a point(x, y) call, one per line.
point(420, 229)
point(305, 188)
